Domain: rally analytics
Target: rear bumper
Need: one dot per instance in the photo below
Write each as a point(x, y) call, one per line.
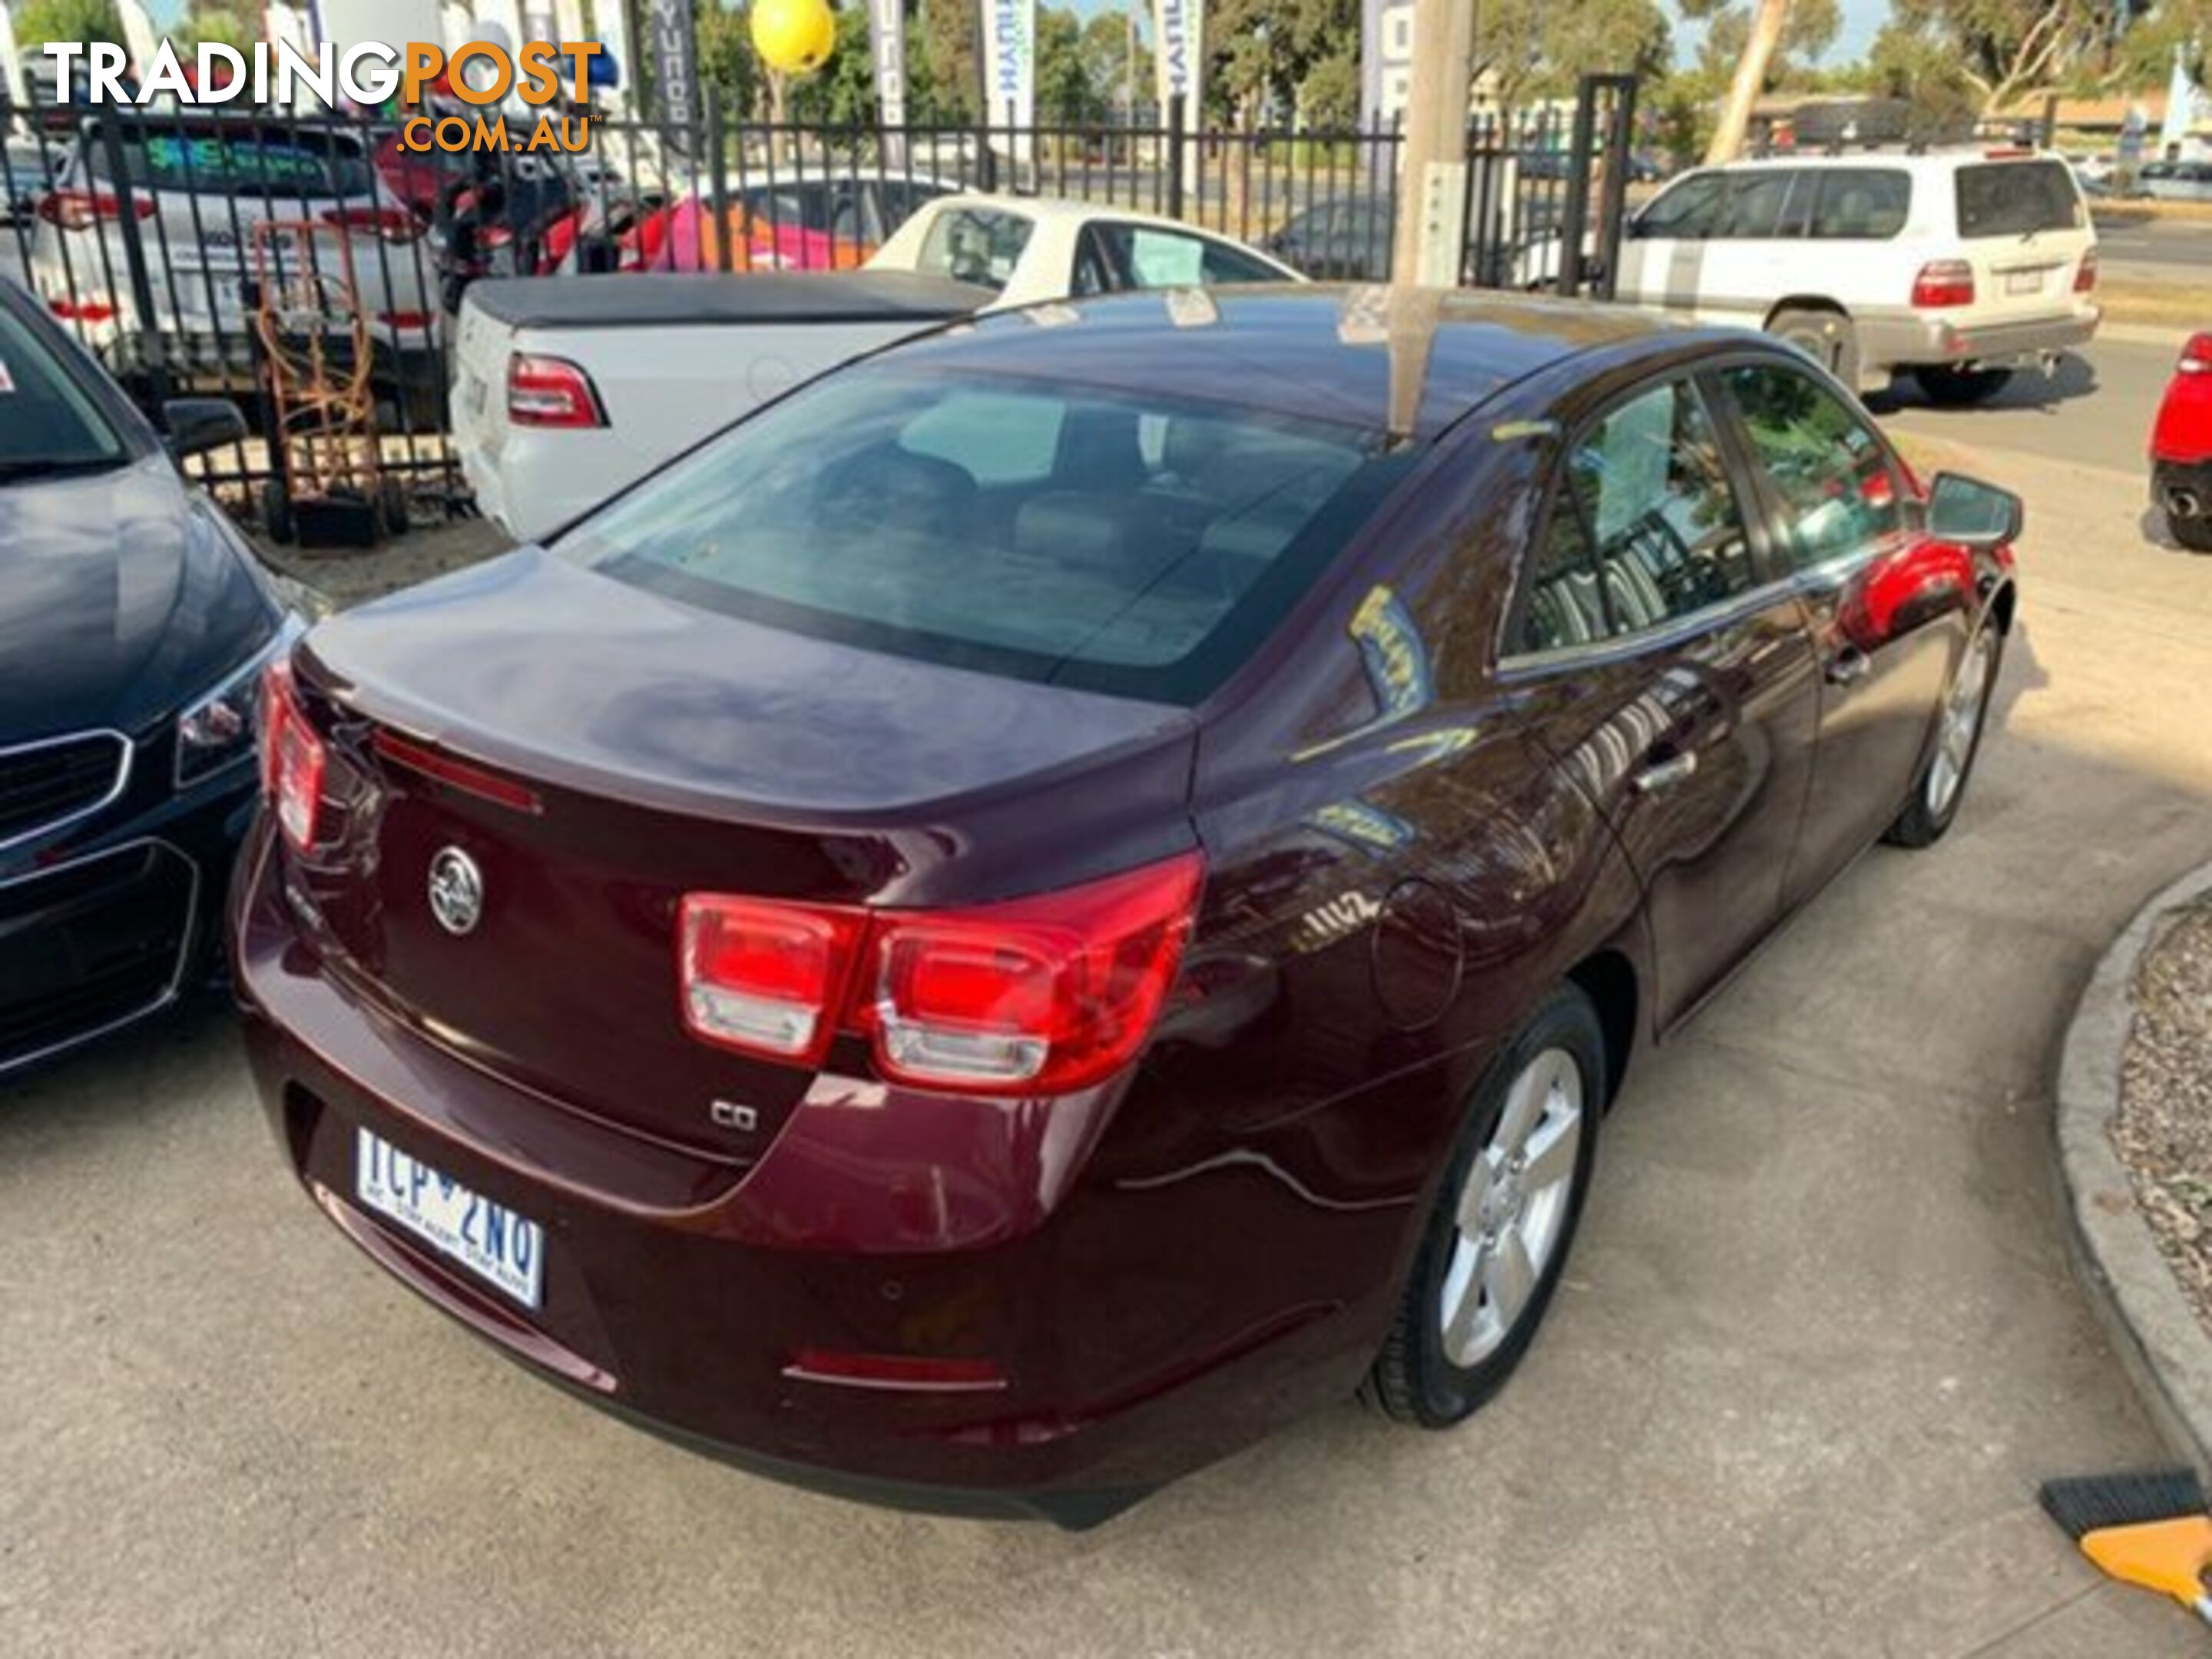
point(538, 480)
point(681, 1290)
point(1910, 339)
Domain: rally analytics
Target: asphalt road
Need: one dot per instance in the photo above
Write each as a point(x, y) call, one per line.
point(2097, 411)
point(2146, 241)
point(1818, 1342)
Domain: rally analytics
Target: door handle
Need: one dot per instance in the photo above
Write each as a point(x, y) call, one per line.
point(1849, 666)
point(1664, 774)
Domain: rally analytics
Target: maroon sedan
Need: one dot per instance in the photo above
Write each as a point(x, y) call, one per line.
point(1077, 888)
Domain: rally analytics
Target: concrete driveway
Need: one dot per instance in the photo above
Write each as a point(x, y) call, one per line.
point(1817, 1345)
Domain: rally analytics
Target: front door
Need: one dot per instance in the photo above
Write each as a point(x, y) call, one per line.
point(1890, 611)
point(1671, 679)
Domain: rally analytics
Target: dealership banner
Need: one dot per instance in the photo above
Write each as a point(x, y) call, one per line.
point(887, 47)
point(1179, 57)
point(1010, 65)
point(666, 36)
point(1386, 60)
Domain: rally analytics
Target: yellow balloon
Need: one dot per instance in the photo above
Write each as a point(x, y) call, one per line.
point(794, 36)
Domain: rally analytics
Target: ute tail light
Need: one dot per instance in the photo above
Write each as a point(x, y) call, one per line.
point(71, 309)
point(2084, 274)
point(292, 757)
point(2196, 355)
point(550, 392)
point(1941, 283)
point(79, 209)
point(390, 224)
point(1032, 996)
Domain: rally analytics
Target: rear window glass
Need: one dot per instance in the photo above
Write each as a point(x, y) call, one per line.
point(1861, 205)
point(217, 162)
point(2017, 198)
point(1045, 533)
point(976, 245)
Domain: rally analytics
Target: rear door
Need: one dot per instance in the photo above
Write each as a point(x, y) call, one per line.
point(2025, 229)
point(1671, 677)
point(1889, 610)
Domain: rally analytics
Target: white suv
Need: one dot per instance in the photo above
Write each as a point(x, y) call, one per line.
point(1958, 266)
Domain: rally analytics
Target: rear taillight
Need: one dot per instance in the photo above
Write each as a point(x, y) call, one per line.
point(1942, 284)
point(78, 210)
point(764, 976)
point(550, 392)
point(389, 224)
point(1040, 995)
point(292, 757)
point(71, 309)
point(2084, 274)
point(2196, 355)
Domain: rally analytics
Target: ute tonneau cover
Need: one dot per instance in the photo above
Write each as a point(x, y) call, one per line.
point(621, 299)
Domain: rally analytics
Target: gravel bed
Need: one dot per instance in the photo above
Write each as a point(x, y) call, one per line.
point(2164, 1128)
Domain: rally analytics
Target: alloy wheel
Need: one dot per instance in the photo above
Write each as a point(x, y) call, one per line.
point(1513, 1208)
point(1961, 725)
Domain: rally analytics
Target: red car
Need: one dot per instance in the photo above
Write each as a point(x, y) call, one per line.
point(2181, 448)
point(1065, 895)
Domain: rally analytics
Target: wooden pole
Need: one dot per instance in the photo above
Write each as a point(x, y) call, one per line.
point(1431, 230)
point(1750, 80)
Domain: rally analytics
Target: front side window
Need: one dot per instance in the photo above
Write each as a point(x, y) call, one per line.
point(1645, 530)
point(1688, 209)
point(1136, 546)
point(1861, 205)
point(1838, 489)
point(1755, 202)
point(981, 246)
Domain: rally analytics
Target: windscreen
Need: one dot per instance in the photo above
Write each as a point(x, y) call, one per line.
point(2017, 198)
point(226, 160)
point(48, 424)
point(1136, 546)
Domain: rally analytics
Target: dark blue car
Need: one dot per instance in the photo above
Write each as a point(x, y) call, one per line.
point(134, 627)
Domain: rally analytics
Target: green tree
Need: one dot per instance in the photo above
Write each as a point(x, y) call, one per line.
point(2007, 50)
point(1541, 48)
point(1063, 89)
point(842, 92)
point(41, 20)
point(1260, 51)
point(727, 62)
point(1118, 63)
point(950, 52)
point(1806, 34)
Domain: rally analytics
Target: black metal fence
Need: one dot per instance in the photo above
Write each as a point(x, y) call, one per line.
point(141, 230)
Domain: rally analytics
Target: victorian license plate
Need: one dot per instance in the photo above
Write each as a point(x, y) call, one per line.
point(506, 1250)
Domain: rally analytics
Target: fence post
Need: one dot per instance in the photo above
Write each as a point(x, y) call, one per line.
point(1574, 213)
point(986, 163)
point(1613, 201)
point(1177, 139)
point(151, 348)
point(718, 176)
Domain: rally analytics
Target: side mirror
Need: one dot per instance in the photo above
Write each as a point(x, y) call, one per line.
point(1968, 512)
point(195, 425)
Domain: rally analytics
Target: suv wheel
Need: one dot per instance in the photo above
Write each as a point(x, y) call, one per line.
point(1505, 1217)
point(1961, 388)
point(1826, 337)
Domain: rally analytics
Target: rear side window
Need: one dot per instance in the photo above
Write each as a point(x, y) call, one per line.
point(222, 162)
point(1755, 201)
point(1646, 529)
point(976, 245)
point(1145, 257)
point(2017, 198)
point(1861, 205)
point(1057, 533)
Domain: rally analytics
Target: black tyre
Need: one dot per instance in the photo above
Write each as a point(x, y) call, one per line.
point(1826, 337)
point(2195, 534)
point(1942, 781)
point(1505, 1215)
point(394, 518)
point(1961, 388)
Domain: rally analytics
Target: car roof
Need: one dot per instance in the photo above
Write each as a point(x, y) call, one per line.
point(1402, 360)
point(1062, 209)
point(1933, 161)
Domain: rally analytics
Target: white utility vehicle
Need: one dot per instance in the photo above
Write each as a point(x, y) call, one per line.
point(1957, 267)
point(566, 389)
